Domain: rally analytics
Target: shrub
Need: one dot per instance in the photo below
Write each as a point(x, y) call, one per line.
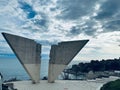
point(113, 85)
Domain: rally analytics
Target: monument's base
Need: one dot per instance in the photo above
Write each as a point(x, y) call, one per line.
point(58, 85)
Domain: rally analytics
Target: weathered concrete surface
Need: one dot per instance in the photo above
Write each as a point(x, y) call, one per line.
point(64, 52)
point(61, 55)
point(54, 71)
point(28, 52)
point(64, 84)
point(58, 85)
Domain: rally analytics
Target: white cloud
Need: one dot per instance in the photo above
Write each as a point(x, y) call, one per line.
point(49, 22)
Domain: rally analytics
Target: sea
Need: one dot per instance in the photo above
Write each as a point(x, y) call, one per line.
point(10, 68)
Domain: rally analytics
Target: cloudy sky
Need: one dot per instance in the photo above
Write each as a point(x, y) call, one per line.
point(52, 21)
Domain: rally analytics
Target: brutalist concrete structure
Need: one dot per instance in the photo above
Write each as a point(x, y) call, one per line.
point(61, 55)
point(28, 52)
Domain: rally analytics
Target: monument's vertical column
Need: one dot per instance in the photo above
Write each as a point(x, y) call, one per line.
point(28, 52)
point(61, 55)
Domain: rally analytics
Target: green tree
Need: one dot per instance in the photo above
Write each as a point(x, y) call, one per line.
point(75, 69)
point(113, 85)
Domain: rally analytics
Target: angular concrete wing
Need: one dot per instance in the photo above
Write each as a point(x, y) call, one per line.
point(28, 52)
point(61, 55)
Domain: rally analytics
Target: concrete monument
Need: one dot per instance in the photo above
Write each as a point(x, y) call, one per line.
point(28, 53)
point(61, 55)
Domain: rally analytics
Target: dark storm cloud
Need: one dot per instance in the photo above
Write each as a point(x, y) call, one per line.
point(43, 22)
point(28, 9)
point(37, 24)
point(74, 9)
point(87, 28)
point(108, 9)
point(112, 26)
point(89, 31)
point(108, 15)
point(75, 30)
